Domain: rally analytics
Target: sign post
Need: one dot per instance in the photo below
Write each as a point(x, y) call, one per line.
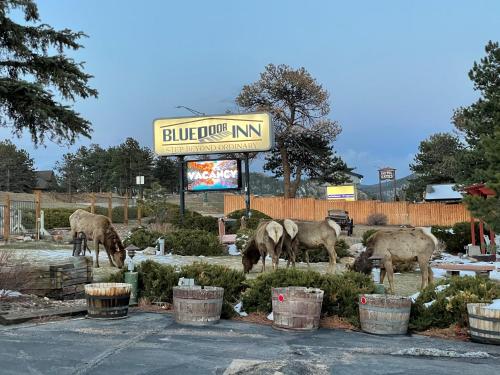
point(386, 174)
point(139, 180)
point(214, 134)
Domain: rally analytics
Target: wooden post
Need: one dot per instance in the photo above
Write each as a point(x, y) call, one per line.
point(473, 231)
point(139, 212)
point(38, 209)
point(6, 219)
point(125, 209)
point(481, 237)
point(492, 240)
point(110, 206)
point(92, 203)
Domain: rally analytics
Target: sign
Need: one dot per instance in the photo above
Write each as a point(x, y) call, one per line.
point(363, 300)
point(342, 192)
point(139, 180)
point(217, 134)
point(387, 174)
point(203, 175)
point(281, 298)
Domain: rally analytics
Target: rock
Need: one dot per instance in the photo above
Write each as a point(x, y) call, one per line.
point(149, 251)
point(356, 249)
point(348, 261)
point(27, 239)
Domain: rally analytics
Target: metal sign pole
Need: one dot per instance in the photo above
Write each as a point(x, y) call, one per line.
point(181, 189)
point(247, 185)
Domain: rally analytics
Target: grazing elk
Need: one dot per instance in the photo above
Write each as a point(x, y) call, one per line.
point(312, 235)
point(99, 229)
point(399, 246)
point(268, 239)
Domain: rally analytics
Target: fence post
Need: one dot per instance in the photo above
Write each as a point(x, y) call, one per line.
point(92, 203)
point(110, 206)
point(38, 208)
point(6, 218)
point(125, 209)
point(139, 212)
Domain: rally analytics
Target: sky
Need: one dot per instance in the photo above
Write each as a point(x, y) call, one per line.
point(395, 69)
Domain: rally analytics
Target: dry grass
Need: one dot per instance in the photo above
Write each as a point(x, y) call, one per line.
point(255, 317)
point(453, 332)
point(335, 322)
point(14, 271)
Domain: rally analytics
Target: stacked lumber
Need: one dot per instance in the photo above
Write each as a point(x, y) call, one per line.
point(63, 279)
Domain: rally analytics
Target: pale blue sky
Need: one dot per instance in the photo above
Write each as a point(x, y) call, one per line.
point(396, 70)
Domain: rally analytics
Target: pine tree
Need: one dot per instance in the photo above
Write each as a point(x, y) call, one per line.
point(16, 169)
point(35, 73)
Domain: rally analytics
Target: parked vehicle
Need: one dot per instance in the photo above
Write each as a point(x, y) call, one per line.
point(342, 218)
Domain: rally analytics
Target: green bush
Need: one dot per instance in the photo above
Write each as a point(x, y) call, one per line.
point(455, 238)
point(28, 218)
point(117, 214)
point(57, 217)
point(194, 242)
point(255, 217)
point(156, 281)
point(242, 237)
point(341, 291)
point(341, 248)
point(450, 305)
point(216, 275)
point(367, 235)
point(142, 238)
point(206, 223)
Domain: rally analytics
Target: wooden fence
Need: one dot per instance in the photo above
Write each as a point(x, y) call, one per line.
point(398, 213)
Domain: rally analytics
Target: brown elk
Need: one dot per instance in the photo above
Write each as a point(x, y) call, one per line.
point(99, 229)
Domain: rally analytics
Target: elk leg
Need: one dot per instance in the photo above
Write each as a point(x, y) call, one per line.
point(96, 247)
point(431, 276)
point(424, 268)
point(332, 264)
point(390, 275)
point(263, 269)
point(307, 258)
point(110, 260)
point(382, 275)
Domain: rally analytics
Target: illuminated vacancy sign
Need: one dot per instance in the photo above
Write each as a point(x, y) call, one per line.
point(216, 134)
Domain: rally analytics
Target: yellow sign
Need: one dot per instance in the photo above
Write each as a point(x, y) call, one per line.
point(343, 192)
point(218, 134)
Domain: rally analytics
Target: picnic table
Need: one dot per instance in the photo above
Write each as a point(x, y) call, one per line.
point(453, 269)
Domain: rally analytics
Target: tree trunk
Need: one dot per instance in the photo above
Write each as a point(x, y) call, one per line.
point(286, 171)
point(295, 185)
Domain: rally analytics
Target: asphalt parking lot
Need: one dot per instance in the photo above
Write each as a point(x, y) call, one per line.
point(148, 343)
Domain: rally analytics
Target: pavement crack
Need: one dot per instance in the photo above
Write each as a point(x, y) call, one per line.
point(115, 349)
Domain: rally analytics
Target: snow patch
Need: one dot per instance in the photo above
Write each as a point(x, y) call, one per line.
point(432, 352)
point(9, 293)
point(233, 250)
point(270, 316)
point(495, 305)
point(238, 308)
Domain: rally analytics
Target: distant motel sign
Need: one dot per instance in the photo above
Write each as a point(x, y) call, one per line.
point(387, 174)
point(217, 134)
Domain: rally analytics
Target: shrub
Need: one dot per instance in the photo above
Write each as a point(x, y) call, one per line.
point(142, 238)
point(341, 291)
point(242, 237)
point(376, 219)
point(118, 214)
point(28, 218)
point(15, 273)
point(194, 242)
point(341, 248)
point(156, 281)
point(216, 275)
point(455, 238)
point(255, 217)
point(206, 223)
point(57, 217)
point(367, 235)
point(450, 305)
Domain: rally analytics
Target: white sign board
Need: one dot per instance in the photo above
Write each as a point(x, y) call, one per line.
point(139, 180)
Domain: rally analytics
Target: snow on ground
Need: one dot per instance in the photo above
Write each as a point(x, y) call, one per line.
point(495, 305)
point(9, 293)
point(454, 259)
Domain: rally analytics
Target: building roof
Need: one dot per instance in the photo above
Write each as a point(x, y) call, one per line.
point(44, 179)
point(360, 176)
point(442, 192)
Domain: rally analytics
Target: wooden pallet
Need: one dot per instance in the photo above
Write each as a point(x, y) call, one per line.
point(16, 317)
point(62, 280)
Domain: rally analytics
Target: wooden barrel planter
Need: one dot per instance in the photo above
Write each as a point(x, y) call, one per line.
point(296, 308)
point(197, 305)
point(107, 300)
point(383, 314)
point(484, 323)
